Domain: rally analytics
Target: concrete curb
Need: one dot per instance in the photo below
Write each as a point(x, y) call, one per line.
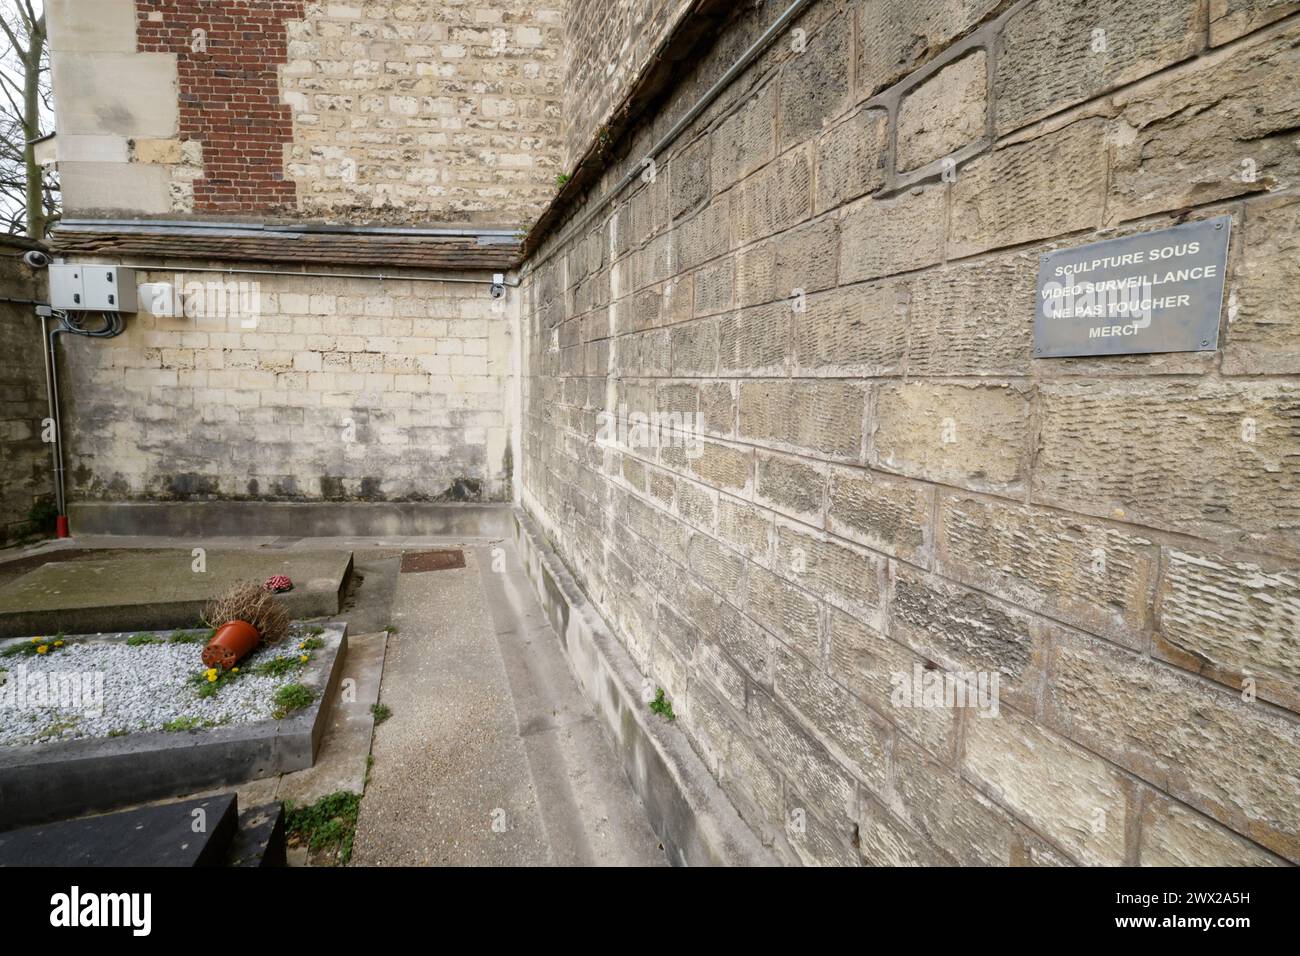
point(296, 519)
point(687, 809)
point(54, 781)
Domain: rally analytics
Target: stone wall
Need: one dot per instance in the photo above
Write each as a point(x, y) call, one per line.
point(295, 388)
point(835, 269)
point(360, 111)
point(26, 469)
point(607, 43)
point(108, 97)
point(426, 112)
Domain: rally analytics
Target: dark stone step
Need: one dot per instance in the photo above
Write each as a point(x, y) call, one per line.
point(260, 839)
point(170, 834)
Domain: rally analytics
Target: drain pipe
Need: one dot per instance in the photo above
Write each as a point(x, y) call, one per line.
point(52, 399)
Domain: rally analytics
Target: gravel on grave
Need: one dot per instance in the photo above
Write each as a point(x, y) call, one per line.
point(144, 687)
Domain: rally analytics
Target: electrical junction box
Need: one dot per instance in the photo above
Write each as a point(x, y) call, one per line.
point(91, 288)
point(67, 290)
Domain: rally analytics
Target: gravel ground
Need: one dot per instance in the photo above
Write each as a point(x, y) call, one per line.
point(144, 687)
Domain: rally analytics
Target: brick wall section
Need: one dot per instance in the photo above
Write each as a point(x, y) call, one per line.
point(26, 472)
point(889, 480)
point(229, 96)
point(342, 389)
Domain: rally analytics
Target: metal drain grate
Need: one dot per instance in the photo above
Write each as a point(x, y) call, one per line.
point(413, 561)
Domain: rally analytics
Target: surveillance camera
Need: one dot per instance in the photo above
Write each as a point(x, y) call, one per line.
point(36, 259)
point(498, 285)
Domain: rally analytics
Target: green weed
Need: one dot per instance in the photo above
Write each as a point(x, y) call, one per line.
point(291, 697)
point(329, 824)
point(662, 706)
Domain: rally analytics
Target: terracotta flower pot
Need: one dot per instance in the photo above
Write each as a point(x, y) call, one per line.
point(232, 642)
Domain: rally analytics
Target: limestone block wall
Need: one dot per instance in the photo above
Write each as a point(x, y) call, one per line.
point(835, 270)
point(425, 112)
point(297, 388)
point(393, 112)
point(111, 97)
point(607, 44)
point(26, 470)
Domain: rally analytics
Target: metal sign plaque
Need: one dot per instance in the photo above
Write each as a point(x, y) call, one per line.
point(1154, 292)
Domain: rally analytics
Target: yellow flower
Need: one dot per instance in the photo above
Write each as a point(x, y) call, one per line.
point(37, 640)
point(303, 658)
point(43, 649)
point(58, 643)
point(234, 670)
point(210, 674)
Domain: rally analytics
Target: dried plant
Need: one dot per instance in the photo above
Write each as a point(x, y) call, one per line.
point(247, 601)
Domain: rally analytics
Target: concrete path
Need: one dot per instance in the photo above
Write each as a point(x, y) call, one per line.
point(344, 756)
point(492, 755)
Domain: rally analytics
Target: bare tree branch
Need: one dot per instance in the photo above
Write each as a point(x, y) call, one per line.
point(24, 81)
point(18, 110)
point(13, 39)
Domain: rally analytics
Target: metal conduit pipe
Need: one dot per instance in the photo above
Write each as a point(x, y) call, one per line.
point(47, 344)
point(379, 277)
point(191, 225)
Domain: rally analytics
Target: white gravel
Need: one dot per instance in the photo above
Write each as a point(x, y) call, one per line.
point(143, 687)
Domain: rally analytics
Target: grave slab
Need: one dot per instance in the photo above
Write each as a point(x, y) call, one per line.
point(162, 589)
